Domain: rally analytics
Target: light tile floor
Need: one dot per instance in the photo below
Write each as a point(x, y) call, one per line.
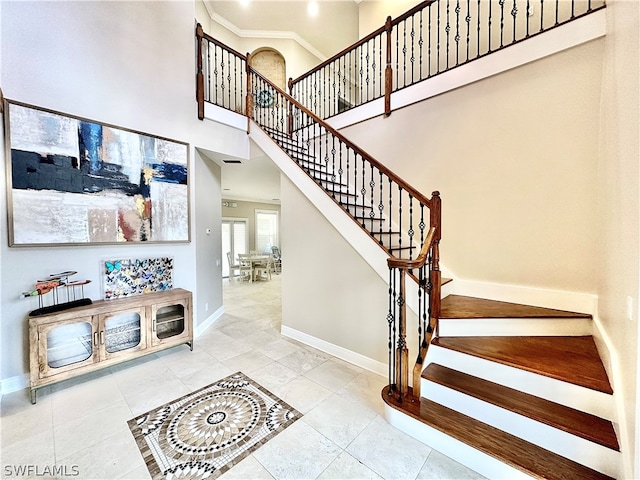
point(80, 425)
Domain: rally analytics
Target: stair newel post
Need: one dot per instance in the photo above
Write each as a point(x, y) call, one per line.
point(402, 352)
point(388, 72)
point(435, 275)
point(290, 115)
point(249, 101)
point(200, 74)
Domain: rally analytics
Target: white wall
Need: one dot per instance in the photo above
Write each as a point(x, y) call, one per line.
point(319, 272)
point(373, 13)
point(515, 159)
point(130, 64)
point(618, 226)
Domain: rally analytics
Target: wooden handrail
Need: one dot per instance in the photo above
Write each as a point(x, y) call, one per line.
point(208, 37)
point(421, 259)
point(402, 183)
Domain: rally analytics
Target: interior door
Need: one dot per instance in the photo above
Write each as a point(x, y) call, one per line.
point(235, 239)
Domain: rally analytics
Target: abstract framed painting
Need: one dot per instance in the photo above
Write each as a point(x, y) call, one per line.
point(73, 181)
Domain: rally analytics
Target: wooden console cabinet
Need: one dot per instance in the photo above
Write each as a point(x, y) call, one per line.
point(83, 339)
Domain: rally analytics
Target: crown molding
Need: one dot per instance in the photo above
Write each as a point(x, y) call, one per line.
point(274, 34)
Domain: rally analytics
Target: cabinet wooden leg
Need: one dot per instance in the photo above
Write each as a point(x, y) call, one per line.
point(33, 396)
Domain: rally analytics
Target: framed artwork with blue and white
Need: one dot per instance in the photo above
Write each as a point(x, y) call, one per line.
point(73, 181)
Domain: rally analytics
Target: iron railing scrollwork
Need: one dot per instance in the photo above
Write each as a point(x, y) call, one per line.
point(431, 38)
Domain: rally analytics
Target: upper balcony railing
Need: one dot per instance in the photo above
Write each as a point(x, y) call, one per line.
point(431, 38)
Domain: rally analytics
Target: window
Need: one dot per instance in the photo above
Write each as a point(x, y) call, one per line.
point(266, 230)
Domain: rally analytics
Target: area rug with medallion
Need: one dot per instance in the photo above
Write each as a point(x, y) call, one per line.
point(205, 433)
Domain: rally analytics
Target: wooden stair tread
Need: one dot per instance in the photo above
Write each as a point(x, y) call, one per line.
point(569, 359)
point(570, 420)
point(458, 306)
point(507, 448)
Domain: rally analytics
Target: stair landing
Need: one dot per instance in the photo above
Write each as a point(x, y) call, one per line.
point(570, 359)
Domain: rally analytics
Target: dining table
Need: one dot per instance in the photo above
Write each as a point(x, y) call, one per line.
point(254, 259)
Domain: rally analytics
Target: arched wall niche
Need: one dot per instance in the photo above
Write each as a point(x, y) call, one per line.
point(270, 63)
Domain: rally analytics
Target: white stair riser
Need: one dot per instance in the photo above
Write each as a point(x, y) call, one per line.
point(574, 448)
point(476, 460)
point(574, 396)
point(515, 327)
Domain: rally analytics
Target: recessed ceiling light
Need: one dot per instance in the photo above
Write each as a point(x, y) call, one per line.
point(312, 8)
point(244, 3)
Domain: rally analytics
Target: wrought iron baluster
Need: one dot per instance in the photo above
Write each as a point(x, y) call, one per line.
point(215, 73)
point(413, 54)
point(381, 209)
point(390, 239)
point(209, 85)
point(448, 31)
point(527, 15)
point(501, 3)
point(229, 77)
point(340, 171)
point(489, 23)
point(373, 68)
point(514, 14)
point(368, 74)
point(429, 43)
point(557, 5)
point(421, 44)
point(457, 37)
point(372, 184)
point(478, 40)
point(468, 20)
point(438, 41)
point(411, 231)
point(541, 15)
point(391, 320)
point(399, 220)
point(363, 188)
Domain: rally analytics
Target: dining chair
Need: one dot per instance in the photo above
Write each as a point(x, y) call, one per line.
point(277, 259)
point(232, 267)
point(263, 270)
point(246, 269)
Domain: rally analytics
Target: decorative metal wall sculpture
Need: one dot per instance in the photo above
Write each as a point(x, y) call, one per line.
point(74, 181)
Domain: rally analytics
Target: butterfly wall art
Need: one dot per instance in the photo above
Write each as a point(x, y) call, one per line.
point(129, 277)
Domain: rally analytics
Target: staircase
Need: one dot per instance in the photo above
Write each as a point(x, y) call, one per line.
point(511, 391)
point(509, 403)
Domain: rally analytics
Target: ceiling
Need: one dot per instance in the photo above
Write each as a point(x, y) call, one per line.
point(334, 28)
point(330, 31)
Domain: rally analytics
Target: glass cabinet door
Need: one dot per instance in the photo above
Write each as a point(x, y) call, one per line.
point(66, 346)
point(121, 332)
point(169, 322)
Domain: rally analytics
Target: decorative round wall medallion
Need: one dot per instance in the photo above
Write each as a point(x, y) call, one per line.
point(264, 98)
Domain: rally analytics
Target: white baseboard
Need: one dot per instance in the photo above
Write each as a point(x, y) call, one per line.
point(14, 384)
point(202, 327)
point(337, 351)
